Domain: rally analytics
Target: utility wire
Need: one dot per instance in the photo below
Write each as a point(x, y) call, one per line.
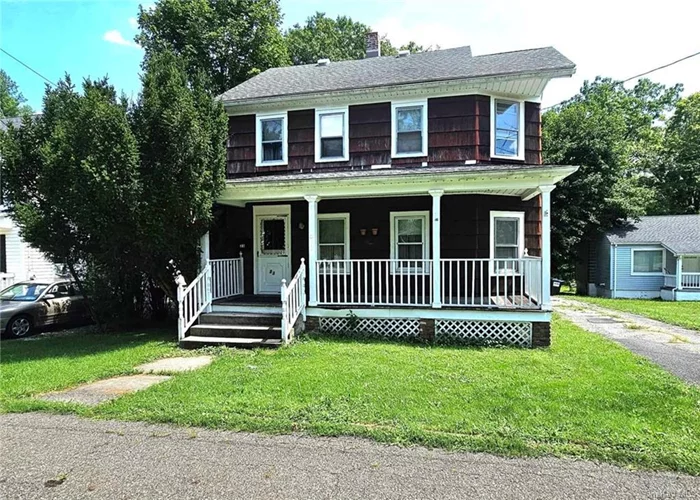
point(27, 66)
point(639, 75)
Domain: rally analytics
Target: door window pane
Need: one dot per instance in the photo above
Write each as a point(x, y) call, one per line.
point(273, 240)
point(648, 261)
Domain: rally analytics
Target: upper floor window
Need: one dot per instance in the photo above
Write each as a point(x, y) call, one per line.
point(507, 241)
point(332, 136)
point(409, 129)
point(271, 139)
point(507, 129)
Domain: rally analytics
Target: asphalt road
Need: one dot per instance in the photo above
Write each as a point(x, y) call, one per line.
point(674, 348)
point(54, 456)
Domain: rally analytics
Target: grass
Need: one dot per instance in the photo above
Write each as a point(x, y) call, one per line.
point(685, 314)
point(48, 363)
point(585, 397)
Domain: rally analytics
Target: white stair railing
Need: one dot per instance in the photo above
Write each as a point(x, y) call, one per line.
point(192, 300)
point(227, 277)
point(293, 301)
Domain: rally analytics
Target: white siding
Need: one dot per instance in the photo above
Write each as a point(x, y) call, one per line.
point(22, 260)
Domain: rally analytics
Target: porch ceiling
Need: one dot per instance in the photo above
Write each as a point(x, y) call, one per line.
point(523, 181)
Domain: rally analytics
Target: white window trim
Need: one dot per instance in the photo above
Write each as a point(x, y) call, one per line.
point(647, 249)
point(493, 215)
point(393, 249)
point(424, 136)
point(346, 243)
point(346, 134)
point(258, 139)
point(521, 132)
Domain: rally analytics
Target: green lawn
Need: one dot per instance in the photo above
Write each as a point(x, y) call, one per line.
point(685, 314)
point(584, 397)
point(43, 364)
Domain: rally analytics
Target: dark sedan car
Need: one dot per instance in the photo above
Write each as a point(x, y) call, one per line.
point(25, 307)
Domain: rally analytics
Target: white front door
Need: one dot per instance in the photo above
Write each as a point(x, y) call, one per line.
point(272, 248)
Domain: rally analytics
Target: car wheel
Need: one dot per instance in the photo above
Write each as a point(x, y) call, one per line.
point(19, 326)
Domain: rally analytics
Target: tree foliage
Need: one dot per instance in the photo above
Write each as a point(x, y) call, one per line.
point(615, 135)
point(677, 176)
point(227, 40)
point(12, 102)
point(337, 39)
point(117, 192)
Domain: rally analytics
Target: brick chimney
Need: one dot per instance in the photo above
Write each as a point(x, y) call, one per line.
point(374, 49)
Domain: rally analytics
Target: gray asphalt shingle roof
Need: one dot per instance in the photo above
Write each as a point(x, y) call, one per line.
point(5, 123)
point(437, 65)
point(680, 233)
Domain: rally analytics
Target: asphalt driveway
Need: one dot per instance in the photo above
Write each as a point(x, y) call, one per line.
point(55, 456)
point(674, 348)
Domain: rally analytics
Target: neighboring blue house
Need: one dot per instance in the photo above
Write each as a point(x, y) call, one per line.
point(659, 256)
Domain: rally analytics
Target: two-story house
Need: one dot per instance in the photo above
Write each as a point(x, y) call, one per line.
point(402, 196)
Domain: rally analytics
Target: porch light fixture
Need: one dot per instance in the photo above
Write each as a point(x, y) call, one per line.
point(363, 232)
point(301, 226)
point(375, 231)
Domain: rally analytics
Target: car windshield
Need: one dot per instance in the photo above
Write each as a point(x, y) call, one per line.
point(23, 292)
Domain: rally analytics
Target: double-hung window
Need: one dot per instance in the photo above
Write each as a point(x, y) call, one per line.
point(647, 261)
point(409, 129)
point(333, 241)
point(332, 136)
point(271, 140)
point(507, 129)
point(507, 241)
point(409, 241)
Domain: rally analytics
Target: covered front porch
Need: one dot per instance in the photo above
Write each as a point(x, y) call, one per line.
point(386, 246)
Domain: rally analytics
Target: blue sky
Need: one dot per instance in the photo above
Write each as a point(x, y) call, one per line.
point(605, 37)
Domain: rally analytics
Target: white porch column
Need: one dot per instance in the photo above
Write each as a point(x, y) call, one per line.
point(437, 275)
point(313, 248)
point(203, 261)
point(546, 247)
point(679, 272)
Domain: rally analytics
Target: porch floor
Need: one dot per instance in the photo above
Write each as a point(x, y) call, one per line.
point(249, 300)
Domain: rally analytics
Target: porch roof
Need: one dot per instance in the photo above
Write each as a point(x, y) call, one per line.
point(522, 180)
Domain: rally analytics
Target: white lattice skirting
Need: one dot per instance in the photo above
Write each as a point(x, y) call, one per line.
point(501, 332)
point(390, 328)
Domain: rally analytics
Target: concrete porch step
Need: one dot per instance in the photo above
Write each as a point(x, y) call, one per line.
point(240, 319)
point(237, 331)
point(195, 341)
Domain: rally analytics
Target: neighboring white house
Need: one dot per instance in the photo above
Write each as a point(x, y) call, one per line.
point(18, 260)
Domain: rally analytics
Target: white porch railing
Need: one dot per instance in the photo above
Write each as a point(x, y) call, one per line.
point(690, 280)
point(497, 283)
point(293, 297)
point(227, 277)
point(374, 282)
point(6, 279)
point(192, 300)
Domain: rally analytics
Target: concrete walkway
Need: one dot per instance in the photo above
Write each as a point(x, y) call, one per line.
point(674, 348)
point(59, 456)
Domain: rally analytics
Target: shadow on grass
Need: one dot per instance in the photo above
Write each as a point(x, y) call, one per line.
point(76, 344)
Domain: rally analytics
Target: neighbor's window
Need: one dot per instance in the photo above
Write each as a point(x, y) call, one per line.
point(647, 261)
point(409, 235)
point(507, 240)
point(3, 255)
point(272, 140)
point(409, 129)
point(333, 240)
point(332, 135)
point(507, 134)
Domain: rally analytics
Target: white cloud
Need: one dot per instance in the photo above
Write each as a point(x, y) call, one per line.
point(133, 22)
point(115, 36)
